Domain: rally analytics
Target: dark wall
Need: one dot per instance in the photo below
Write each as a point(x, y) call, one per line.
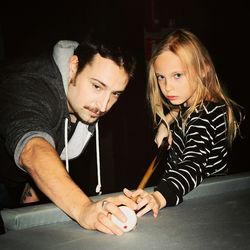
point(126, 134)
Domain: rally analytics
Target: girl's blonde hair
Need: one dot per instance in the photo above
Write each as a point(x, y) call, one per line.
point(200, 68)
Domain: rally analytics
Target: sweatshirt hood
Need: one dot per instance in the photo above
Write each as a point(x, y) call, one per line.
point(62, 53)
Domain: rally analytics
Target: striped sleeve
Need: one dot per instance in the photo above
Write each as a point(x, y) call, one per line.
point(195, 155)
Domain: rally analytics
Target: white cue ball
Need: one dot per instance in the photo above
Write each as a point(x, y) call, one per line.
point(131, 219)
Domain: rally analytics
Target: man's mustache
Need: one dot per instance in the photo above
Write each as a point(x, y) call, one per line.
point(95, 110)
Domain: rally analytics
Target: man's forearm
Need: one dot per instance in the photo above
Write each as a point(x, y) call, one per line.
point(42, 162)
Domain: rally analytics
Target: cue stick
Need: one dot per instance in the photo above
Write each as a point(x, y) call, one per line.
point(148, 174)
point(164, 146)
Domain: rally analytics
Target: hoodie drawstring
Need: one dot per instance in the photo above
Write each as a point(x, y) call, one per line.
point(98, 165)
point(99, 185)
point(66, 144)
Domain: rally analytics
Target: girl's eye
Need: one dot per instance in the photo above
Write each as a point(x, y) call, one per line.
point(178, 75)
point(159, 77)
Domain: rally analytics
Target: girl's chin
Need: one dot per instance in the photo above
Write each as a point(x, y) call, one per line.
point(175, 103)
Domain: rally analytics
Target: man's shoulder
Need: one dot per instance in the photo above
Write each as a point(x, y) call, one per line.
point(33, 76)
point(29, 65)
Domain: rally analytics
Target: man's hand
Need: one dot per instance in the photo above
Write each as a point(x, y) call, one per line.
point(97, 215)
point(42, 162)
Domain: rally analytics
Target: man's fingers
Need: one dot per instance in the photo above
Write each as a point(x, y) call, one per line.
point(105, 225)
point(113, 209)
point(123, 200)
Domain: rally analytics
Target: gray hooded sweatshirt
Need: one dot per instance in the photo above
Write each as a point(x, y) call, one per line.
point(33, 103)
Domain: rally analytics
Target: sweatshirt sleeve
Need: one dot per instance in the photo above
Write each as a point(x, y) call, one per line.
point(26, 137)
point(27, 111)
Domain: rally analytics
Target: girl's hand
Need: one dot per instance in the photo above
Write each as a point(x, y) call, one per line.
point(146, 201)
point(162, 133)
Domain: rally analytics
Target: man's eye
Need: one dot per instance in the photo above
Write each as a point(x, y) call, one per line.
point(96, 86)
point(117, 94)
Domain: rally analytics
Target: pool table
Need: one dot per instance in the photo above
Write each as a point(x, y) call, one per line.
point(216, 215)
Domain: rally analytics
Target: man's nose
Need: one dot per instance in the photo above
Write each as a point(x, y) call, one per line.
point(103, 103)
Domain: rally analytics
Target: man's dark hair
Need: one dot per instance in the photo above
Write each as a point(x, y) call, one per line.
point(108, 48)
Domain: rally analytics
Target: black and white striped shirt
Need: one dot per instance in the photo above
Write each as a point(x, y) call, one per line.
point(196, 153)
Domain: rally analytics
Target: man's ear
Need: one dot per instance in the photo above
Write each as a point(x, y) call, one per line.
point(73, 65)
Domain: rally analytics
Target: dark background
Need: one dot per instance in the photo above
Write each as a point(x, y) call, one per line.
point(126, 135)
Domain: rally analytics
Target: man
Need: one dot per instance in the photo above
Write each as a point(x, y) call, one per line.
point(49, 109)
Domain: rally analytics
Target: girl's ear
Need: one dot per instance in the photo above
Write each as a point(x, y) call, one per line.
point(73, 65)
point(205, 70)
point(204, 73)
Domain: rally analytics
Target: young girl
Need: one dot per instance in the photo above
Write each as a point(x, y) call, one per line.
point(185, 93)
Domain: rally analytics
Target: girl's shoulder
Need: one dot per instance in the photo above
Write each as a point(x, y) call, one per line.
point(210, 110)
point(213, 107)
